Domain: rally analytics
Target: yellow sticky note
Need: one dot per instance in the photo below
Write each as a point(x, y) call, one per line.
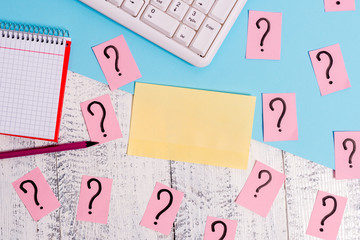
point(191, 125)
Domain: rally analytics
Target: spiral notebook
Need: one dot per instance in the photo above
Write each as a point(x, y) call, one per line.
point(33, 69)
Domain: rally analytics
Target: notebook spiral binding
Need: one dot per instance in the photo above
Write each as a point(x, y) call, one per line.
point(31, 32)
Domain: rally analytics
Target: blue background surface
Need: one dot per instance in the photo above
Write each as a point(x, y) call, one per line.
point(305, 27)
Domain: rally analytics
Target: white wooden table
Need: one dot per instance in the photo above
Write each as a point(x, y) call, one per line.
point(208, 190)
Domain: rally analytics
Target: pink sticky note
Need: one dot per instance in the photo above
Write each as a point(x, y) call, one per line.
point(100, 119)
point(264, 35)
point(339, 5)
point(279, 116)
point(330, 71)
point(117, 62)
point(347, 155)
point(218, 228)
point(261, 189)
point(36, 194)
point(162, 208)
point(94, 199)
point(326, 216)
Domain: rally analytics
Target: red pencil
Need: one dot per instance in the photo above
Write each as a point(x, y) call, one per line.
point(47, 149)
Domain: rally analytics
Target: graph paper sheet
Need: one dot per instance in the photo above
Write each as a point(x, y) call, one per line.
point(31, 75)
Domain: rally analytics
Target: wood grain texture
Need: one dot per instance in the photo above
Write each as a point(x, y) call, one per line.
point(304, 179)
point(209, 191)
point(133, 177)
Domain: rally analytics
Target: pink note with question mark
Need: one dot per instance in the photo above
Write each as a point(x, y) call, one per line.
point(339, 5)
point(279, 117)
point(264, 35)
point(162, 208)
point(218, 228)
point(94, 199)
point(347, 155)
point(100, 119)
point(326, 216)
point(117, 62)
point(36, 194)
point(261, 189)
point(329, 67)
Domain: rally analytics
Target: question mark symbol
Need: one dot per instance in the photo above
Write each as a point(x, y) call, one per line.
point(266, 183)
point(167, 206)
point(353, 150)
point(266, 32)
point(35, 191)
point(332, 211)
point(96, 194)
point(330, 63)
point(116, 57)
point(103, 116)
point(283, 111)
point(225, 228)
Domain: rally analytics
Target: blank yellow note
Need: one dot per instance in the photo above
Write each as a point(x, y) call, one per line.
point(191, 125)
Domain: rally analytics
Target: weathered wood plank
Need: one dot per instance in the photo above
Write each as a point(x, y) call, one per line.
point(211, 191)
point(15, 221)
point(208, 190)
point(304, 179)
point(133, 177)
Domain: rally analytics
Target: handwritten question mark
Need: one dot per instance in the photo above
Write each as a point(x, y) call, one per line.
point(266, 32)
point(330, 63)
point(96, 194)
point(116, 57)
point(266, 183)
point(167, 206)
point(103, 116)
point(353, 150)
point(283, 111)
point(35, 190)
point(224, 231)
point(332, 211)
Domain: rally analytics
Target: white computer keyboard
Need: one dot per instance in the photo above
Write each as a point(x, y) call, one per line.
point(191, 29)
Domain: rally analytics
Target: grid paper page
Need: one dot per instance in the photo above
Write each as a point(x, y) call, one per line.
point(30, 81)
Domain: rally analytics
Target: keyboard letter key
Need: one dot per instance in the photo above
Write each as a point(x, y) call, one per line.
point(161, 4)
point(194, 18)
point(188, 1)
point(205, 36)
point(184, 35)
point(178, 9)
point(133, 6)
point(204, 5)
point(116, 2)
point(160, 21)
point(221, 10)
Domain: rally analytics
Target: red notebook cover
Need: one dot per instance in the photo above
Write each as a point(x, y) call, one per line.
point(62, 89)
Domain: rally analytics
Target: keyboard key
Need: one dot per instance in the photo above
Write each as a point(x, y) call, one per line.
point(178, 9)
point(203, 5)
point(116, 2)
point(132, 6)
point(221, 10)
point(160, 21)
point(205, 36)
point(184, 35)
point(161, 4)
point(194, 18)
point(172, 29)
